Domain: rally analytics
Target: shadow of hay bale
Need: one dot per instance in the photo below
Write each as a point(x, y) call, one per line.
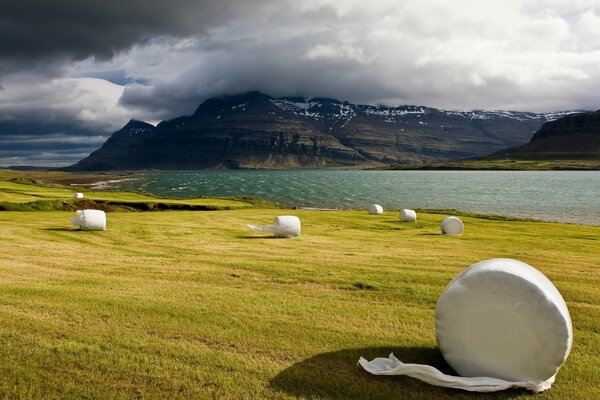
point(336, 375)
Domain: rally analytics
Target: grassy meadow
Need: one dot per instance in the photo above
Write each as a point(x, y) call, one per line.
point(27, 194)
point(187, 304)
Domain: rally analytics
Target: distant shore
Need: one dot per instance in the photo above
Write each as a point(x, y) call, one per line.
point(79, 179)
point(502, 165)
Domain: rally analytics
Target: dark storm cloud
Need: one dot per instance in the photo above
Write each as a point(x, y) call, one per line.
point(45, 144)
point(40, 158)
point(38, 31)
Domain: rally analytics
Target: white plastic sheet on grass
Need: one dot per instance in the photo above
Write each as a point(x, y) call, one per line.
point(452, 226)
point(500, 324)
point(375, 209)
point(285, 226)
point(90, 220)
point(407, 215)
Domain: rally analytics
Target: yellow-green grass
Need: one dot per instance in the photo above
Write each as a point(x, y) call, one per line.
point(22, 196)
point(190, 305)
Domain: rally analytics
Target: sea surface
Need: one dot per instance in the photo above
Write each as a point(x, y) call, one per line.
point(566, 196)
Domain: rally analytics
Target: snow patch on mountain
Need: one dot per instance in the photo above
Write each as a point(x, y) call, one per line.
point(301, 108)
point(338, 114)
point(137, 131)
point(392, 111)
point(515, 115)
point(240, 107)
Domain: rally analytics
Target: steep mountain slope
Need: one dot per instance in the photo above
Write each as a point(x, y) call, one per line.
point(257, 131)
point(575, 136)
point(121, 150)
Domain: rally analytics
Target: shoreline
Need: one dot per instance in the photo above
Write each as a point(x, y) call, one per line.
point(105, 181)
point(501, 165)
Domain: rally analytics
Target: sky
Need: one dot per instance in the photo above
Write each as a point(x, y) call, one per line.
point(72, 72)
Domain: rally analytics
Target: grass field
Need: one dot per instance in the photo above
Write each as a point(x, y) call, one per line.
point(25, 194)
point(182, 304)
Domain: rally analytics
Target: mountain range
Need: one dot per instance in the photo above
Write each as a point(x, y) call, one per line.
point(254, 130)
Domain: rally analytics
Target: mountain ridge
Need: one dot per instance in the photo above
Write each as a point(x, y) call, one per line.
point(254, 130)
point(574, 136)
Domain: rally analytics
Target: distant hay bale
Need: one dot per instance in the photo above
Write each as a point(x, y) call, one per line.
point(90, 220)
point(407, 215)
point(500, 324)
point(285, 226)
point(452, 226)
point(78, 195)
point(375, 209)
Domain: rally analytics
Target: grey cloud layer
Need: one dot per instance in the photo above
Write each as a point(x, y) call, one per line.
point(166, 57)
point(461, 54)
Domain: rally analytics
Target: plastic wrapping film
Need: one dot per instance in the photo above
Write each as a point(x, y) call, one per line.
point(500, 324)
point(90, 220)
point(78, 195)
point(285, 226)
point(452, 226)
point(375, 209)
point(407, 215)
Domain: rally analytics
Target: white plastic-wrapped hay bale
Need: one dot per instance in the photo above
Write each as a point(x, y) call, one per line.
point(499, 324)
point(375, 209)
point(90, 220)
point(452, 226)
point(407, 215)
point(78, 195)
point(284, 226)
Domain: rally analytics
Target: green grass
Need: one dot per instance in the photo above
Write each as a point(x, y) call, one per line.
point(191, 305)
point(21, 194)
point(505, 164)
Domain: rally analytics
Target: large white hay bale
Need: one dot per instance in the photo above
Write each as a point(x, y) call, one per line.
point(285, 226)
point(452, 226)
point(407, 215)
point(90, 220)
point(375, 209)
point(78, 195)
point(499, 324)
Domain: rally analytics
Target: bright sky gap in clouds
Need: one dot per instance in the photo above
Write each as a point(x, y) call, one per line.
point(73, 71)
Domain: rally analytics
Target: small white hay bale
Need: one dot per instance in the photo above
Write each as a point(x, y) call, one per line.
point(452, 226)
point(407, 215)
point(375, 209)
point(285, 226)
point(90, 220)
point(500, 324)
point(78, 195)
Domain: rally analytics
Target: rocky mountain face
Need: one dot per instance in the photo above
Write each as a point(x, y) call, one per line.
point(575, 136)
point(257, 131)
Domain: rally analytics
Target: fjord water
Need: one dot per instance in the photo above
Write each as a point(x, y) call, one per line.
point(567, 196)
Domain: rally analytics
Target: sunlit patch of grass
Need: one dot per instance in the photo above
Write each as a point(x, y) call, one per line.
point(20, 194)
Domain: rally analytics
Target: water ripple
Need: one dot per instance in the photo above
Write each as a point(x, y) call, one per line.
point(569, 196)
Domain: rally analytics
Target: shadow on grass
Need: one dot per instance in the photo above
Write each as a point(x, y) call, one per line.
point(336, 375)
point(70, 230)
point(259, 237)
point(431, 234)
